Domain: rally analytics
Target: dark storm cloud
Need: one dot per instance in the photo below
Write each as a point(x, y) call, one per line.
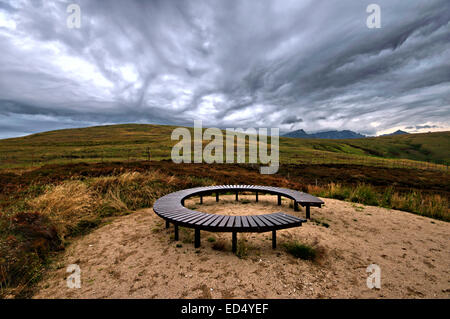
point(292, 120)
point(288, 64)
point(420, 127)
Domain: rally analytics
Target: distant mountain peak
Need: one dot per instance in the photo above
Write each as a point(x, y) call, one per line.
point(398, 132)
point(298, 134)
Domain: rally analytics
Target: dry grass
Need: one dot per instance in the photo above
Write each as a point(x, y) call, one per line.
point(75, 199)
point(70, 208)
point(430, 205)
point(66, 204)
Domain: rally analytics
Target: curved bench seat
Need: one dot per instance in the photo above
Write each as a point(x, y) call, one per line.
point(171, 208)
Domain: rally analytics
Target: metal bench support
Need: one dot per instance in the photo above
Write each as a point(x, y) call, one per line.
point(308, 212)
point(274, 239)
point(176, 232)
point(234, 242)
point(256, 196)
point(217, 196)
point(197, 238)
point(279, 200)
point(167, 224)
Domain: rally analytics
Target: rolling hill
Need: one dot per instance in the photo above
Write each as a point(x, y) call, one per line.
point(136, 141)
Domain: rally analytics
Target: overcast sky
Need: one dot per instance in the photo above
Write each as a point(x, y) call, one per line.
point(290, 64)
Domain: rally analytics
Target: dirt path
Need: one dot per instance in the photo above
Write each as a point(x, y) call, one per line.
point(135, 257)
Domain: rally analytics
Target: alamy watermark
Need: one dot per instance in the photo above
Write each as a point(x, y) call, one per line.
point(374, 279)
point(74, 279)
point(213, 152)
point(374, 19)
point(74, 19)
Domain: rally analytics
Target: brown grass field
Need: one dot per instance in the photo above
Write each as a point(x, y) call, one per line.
point(136, 257)
point(45, 211)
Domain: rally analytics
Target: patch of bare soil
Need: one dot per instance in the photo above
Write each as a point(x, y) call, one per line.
point(136, 257)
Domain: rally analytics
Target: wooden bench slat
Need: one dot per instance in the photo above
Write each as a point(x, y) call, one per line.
point(217, 221)
point(194, 216)
point(273, 218)
point(175, 213)
point(205, 221)
point(184, 217)
point(289, 217)
point(237, 222)
point(224, 221)
point(266, 221)
point(251, 221)
point(199, 221)
point(286, 220)
point(244, 221)
point(198, 217)
point(231, 220)
point(209, 222)
point(258, 221)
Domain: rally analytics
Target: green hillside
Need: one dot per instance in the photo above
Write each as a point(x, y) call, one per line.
point(429, 147)
point(137, 141)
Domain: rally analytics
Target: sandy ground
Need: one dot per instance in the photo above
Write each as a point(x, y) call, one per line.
point(136, 257)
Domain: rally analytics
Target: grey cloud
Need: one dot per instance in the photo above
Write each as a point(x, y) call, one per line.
point(418, 127)
point(292, 120)
point(229, 63)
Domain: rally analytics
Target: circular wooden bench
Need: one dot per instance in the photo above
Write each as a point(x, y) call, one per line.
point(171, 208)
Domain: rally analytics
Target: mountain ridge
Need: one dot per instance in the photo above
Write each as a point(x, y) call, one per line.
point(333, 134)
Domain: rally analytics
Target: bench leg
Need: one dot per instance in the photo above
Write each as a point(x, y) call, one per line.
point(167, 224)
point(234, 242)
point(197, 238)
point(308, 213)
point(201, 199)
point(182, 202)
point(274, 239)
point(296, 206)
point(176, 232)
point(279, 200)
point(217, 196)
point(237, 196)
point(256, 196)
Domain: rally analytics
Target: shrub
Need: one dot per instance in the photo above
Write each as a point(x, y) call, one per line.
point(25, 241)
point(301, 251)
point(187, 235)
point(337, 191)
point(66, 205)
point(364, 194)
point(386, 198)
point(84, 226)
point(219, 245)
point(242, 249)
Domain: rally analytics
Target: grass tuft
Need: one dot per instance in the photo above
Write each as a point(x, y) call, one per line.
point(219, 245)
point(301, 251)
